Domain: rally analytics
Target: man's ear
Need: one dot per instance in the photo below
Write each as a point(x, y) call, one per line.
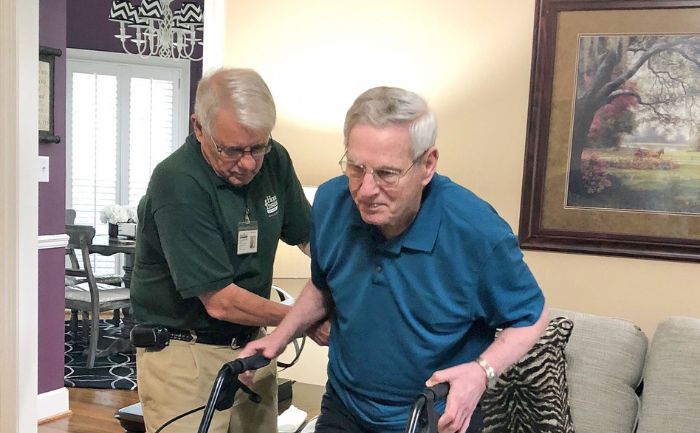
point(197, 127)
point(430, 160)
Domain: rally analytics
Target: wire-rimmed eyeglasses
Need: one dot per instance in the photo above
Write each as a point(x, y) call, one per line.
point(382, 176)
point(235, 153)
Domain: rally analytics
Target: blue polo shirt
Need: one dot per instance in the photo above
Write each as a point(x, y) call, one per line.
point(429, 299)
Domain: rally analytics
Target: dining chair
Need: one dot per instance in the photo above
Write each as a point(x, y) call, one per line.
point(112, 279)
point(90, 297)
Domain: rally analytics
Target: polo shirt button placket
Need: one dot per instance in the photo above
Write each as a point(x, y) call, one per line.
point(378, 274)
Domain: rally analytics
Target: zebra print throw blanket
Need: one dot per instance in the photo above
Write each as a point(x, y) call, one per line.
point(532, 396)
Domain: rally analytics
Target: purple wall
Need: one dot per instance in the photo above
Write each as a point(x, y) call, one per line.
point(52, 33)
point(77, 24)
point(51, 318)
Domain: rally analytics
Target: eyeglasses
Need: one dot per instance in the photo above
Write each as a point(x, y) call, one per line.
point(235, 153)
point(382, 176)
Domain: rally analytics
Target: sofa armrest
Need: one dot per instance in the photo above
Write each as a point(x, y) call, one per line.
point(671, 398)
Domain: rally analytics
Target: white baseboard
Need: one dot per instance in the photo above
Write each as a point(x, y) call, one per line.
point(53, 241)
point(51, 404)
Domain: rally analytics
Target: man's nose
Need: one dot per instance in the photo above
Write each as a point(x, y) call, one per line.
point(247, 161)
point(369, 185)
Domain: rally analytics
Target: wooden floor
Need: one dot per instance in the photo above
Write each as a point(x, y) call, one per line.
point(93, 411)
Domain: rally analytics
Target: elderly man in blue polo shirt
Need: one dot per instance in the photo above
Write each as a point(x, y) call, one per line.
point(416, 274)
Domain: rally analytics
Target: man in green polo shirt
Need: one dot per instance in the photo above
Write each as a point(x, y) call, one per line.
point(208, 230)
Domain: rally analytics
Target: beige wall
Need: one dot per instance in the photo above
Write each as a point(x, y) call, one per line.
point(471, 59)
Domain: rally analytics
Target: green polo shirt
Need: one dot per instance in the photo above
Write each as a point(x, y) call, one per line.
point(186, 243)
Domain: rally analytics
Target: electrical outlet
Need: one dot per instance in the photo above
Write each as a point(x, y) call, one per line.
point(43, 168)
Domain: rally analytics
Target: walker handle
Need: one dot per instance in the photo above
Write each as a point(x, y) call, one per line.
point(252, 362)
point(440, 390)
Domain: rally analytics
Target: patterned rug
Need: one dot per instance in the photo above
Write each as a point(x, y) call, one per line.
point(116, 371)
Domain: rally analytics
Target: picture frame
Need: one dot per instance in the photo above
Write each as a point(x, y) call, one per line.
point(612, 157)
point(47, 60)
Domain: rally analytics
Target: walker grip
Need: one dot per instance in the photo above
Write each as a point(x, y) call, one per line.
point(252, 362)
point(440, 390)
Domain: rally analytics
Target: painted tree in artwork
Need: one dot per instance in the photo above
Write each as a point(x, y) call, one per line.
point(612, 121)
point(625, 81)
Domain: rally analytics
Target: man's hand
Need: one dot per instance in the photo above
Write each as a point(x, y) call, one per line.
point(467, 384)
point(320, 332)
point(270, 346)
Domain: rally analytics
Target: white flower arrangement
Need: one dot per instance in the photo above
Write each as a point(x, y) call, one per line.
point(115, 213)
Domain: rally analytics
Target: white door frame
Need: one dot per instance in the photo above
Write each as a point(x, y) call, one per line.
point(19, 45)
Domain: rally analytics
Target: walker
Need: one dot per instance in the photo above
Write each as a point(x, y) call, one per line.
point(423, 418)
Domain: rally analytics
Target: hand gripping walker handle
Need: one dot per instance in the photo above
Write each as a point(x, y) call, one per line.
point(439, 391)
point(423, 417)
point(252, 362)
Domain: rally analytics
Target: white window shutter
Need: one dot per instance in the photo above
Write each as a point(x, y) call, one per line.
point(124, 117)
point(150, 131)
point(93, 146)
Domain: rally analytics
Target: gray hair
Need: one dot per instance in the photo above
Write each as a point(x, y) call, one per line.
point(243, 92)
point(383, 106)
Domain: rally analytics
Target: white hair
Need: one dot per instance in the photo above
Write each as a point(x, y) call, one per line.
point(382, 106)
point(243, 92)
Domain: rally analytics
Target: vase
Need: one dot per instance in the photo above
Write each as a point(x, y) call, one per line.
point(113, 230)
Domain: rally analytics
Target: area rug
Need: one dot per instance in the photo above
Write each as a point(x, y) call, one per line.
point(117, 371)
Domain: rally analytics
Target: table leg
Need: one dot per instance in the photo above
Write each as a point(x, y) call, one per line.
point(128, 321)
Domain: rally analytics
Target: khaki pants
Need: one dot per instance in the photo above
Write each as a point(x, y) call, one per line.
point(179, 378)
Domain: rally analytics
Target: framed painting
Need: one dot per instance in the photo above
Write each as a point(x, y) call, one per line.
point(47, 58)
point(612, 160)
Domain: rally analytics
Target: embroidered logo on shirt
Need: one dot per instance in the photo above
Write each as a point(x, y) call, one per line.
point(271, 205)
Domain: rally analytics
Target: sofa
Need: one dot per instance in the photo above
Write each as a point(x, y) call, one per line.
point(619, 381)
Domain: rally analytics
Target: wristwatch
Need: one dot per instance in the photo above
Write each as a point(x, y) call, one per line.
point(490, 372)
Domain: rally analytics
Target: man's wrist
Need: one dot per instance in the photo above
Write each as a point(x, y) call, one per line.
point(488, 371)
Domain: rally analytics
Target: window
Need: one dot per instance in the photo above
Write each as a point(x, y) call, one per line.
point(124, 116)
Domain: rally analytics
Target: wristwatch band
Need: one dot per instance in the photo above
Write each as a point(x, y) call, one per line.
point(490, 372)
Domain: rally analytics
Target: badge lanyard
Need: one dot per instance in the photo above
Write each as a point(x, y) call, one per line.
point(247, 234)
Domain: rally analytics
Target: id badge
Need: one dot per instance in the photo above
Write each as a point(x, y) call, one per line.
point(247, 238)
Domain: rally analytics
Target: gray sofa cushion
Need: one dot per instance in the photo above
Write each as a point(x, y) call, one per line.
point(605, 359)
point(671, 398)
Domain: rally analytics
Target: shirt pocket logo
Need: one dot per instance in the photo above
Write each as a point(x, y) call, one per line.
point(271, 205)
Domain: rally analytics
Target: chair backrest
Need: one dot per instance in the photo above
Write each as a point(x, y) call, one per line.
point(79, 235)
point(70, 252)
point(80, 238)
point(70, 216)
